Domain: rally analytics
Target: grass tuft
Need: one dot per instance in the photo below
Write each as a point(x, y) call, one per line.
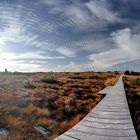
point(136, 81)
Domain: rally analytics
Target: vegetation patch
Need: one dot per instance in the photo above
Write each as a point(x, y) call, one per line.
point(77, 77)
point(132, 89)
point(50, 81)
point(55, 103)
point(94, 77)
point(136, 81)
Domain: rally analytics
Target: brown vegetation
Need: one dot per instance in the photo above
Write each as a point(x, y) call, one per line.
point(132, 87)
point(55, 101)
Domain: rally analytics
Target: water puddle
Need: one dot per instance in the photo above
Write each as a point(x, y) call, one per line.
point(3, 132)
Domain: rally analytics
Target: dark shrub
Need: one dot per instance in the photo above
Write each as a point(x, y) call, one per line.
point(94, 77)
point(50, 81)
point(135, 73)
point(77, 77)
point(127, 72)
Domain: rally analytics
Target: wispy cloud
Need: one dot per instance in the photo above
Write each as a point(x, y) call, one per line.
point(72, 67)
point(14, 61)
point(92, 15)
point(28, 55)
point(53, 2)
point(17, 30)
point(67, 52)
point(100, 9)
point(21, 66)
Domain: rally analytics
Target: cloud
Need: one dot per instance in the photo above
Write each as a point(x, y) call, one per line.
point(127, 43)
point(95, 44)
point(20, 66)
point(72, 67)
point(28, 55)
point(92, 15)
point(19, 62)
point(17, 34)
point(12, 35)
point(66, 51)
point(16, 29)
point(101, 10)
point(53, 2)
point(130, 65)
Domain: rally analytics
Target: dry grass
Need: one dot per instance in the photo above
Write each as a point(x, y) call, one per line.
point(58, 107)
point(111, 81)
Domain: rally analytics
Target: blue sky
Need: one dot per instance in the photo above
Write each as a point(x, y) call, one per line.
point(69, 35)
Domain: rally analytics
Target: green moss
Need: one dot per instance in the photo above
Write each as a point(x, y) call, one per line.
point(136, 81)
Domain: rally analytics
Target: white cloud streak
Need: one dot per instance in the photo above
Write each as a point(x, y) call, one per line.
point(18, 62)
point(90, 16)
point(20, 66)
point(28, 55)
point(67, 52)
point(101, 11)
point(72, 67)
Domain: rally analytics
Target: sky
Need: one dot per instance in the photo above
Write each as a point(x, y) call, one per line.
point(69, 35)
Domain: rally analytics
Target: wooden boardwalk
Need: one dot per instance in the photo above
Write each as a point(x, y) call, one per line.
point(109, 120)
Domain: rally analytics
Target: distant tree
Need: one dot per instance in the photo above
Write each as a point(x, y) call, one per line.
point(116, 72)
point(127, 72)
point(135, 73)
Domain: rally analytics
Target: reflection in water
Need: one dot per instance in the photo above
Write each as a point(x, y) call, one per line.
point(3, 132)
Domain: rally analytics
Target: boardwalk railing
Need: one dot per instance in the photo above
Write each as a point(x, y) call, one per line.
point(109, 120)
